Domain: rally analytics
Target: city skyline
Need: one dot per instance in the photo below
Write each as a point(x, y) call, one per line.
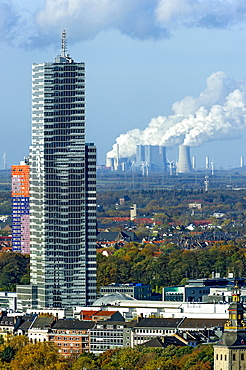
point(134, 73)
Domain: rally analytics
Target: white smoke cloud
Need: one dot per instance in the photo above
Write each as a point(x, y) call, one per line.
point(218, 113)
point(37, 22)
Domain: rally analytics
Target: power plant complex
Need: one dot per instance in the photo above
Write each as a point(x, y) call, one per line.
point(153, 158)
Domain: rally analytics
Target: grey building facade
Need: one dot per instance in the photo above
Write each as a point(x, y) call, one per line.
point(62, 189)
point(108, 335)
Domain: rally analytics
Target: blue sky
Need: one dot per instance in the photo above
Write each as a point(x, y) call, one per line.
point(141, 57)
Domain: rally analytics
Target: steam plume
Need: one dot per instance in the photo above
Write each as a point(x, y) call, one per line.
point(219, 113)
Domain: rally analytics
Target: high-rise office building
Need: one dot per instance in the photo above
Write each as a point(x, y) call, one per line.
point(62, 189)
point(20, 207)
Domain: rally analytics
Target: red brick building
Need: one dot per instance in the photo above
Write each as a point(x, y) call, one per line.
point(71, 336)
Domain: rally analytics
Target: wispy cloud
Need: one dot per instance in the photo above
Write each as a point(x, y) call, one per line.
point(142, 19)
point(200, 13)
point(8, 20)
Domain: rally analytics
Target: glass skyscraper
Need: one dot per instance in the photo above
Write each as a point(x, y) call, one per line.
point(62, 189)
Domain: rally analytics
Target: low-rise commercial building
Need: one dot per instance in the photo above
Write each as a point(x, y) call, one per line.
point(108, 335)
point(135, 290)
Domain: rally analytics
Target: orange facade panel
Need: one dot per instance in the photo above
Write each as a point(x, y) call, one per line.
point(20, 180)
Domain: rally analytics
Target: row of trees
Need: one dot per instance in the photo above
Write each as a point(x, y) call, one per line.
point(138, 263)
point(157, 200)
point(17, 353)
point(143, 263)
point(172, 202)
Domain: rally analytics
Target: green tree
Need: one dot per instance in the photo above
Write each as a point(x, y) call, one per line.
point(38, 356)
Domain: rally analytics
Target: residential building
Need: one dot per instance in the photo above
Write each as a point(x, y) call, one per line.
point(149, 328)
point(26, 323)
point(205, 325)
point(71, 336)
point(8, 324)
point(21, 207)
point(40, 328)
point(62, 190)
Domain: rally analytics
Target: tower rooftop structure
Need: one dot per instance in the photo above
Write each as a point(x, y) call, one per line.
point(64, 57)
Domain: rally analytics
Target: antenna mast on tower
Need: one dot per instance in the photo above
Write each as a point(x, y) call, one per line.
point(64, 43)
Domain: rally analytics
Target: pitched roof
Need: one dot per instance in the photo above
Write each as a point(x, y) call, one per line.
point(107, 236)
point(116, 236)
point(25, 325)
point(105, 313)
point(202, 323)
point(159, 322)
point(87, 315)
point(73, 324)
point(153, 343)
point(42, 322)
point(166, 341)
point(7, 320)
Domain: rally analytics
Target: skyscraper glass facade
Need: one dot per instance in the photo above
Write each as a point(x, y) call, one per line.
point(62, 188)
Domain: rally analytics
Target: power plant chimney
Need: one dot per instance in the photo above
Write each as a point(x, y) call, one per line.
point(207, 163)
point(184, 162)
point(241, 161)
point(193, 163)
point(212, 166)
point(117, 159)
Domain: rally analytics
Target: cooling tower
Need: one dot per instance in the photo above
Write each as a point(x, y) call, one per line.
point(184, 162)
point(109, 162)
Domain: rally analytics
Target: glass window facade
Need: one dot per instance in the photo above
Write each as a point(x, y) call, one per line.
point(62, 190)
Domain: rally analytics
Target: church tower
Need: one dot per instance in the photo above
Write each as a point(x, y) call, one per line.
point(230, 350)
